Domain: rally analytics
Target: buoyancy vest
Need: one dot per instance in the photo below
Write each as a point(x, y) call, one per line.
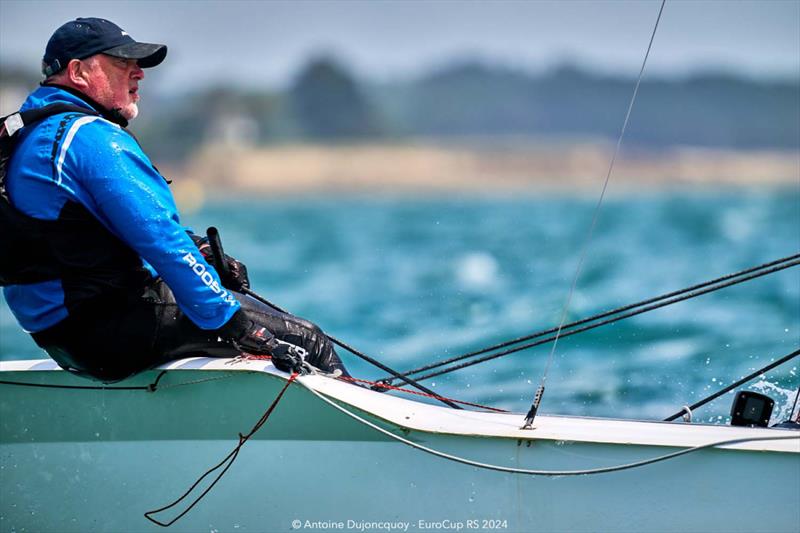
point(117, 223)
point(75, 248)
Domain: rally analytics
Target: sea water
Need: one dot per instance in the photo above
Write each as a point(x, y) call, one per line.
point(414, 280)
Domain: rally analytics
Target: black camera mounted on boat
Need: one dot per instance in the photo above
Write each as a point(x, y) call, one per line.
point(751, 409)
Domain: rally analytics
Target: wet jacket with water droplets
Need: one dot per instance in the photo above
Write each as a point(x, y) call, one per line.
point(109, 220)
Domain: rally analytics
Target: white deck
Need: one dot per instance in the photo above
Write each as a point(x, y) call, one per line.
point(442, 420)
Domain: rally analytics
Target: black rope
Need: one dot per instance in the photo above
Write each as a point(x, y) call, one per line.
point(664, 303)
point(229, 459)
point(150, 388)
point(215, 241)
point(604, 314)
point(734, 385)
point(363, 356)
point(593, 318)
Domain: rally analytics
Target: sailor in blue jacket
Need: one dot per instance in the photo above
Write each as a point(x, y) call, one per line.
point(130, 287)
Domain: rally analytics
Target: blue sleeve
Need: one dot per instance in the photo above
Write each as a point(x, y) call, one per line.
point(134, 202)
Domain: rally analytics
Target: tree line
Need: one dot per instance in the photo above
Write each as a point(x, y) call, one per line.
point(327, 103)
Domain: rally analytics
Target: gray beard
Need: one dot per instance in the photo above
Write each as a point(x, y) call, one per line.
point(133, 108)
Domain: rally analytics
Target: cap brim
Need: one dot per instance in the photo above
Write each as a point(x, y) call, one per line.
point(147, 54)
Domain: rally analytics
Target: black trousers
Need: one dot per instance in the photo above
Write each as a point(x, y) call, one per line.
point(114, 341)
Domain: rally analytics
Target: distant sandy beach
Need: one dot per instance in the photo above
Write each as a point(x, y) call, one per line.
point(479, 168)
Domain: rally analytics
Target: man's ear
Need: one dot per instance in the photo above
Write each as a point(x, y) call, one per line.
point(77, 73)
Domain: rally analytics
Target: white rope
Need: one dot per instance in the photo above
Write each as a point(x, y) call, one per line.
point(525, 471)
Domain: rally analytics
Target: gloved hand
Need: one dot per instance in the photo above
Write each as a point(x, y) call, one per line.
point(238, 271)
point(251, 337)
point(288, 357)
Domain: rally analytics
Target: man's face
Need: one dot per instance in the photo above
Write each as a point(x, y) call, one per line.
point(113, 82)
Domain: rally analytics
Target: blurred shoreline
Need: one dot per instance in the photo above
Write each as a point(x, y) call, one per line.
point(445, 168)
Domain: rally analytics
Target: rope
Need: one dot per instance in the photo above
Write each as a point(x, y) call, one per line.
point(149, 388)
point(540, 392)
point(153, 387)
point(79, 387)
point(794, 406)
point(529, 472)
point(229, 459)
point(593, 318)
point(734, 385)
point(215, 241)
point(356, 352)
point(436, 397)
point(645, 309)
point(198, 381)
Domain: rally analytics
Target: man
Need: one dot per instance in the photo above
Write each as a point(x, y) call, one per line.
point(125, 287)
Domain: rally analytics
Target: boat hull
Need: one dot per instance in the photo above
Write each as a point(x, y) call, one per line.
point(96, 460)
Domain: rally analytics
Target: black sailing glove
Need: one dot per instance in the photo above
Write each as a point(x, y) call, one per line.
point(251, 337)
point(238, 271)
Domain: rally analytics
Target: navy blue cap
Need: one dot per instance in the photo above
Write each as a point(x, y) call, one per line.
point(85, 37)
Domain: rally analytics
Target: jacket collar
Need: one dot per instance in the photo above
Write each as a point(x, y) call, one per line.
point(109, 114)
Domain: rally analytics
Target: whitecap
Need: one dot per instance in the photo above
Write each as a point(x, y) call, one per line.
point(477, 270)
point(668, 350)
point(784, 399)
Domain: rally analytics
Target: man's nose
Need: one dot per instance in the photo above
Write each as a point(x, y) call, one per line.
point(137, 73)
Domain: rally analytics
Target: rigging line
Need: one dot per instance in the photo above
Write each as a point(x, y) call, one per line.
point(609, 321)
point(735, 384)
point(215, 241)
point(794, 406)
point(363, 356)
point(225, 464)
point(388, 380)
point(408, 391)
point(596, 214)
point(77, 387)
point(529, 472)
point(540, 391)
point(152, 387)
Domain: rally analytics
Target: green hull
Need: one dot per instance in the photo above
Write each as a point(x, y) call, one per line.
point(96, 460)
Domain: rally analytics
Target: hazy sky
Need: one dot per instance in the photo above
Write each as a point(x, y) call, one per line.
point(264, 43)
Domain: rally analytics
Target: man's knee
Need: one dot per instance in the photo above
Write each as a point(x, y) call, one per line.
point(305, 324)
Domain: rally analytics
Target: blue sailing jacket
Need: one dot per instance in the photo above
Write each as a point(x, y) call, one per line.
point(88, 162)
